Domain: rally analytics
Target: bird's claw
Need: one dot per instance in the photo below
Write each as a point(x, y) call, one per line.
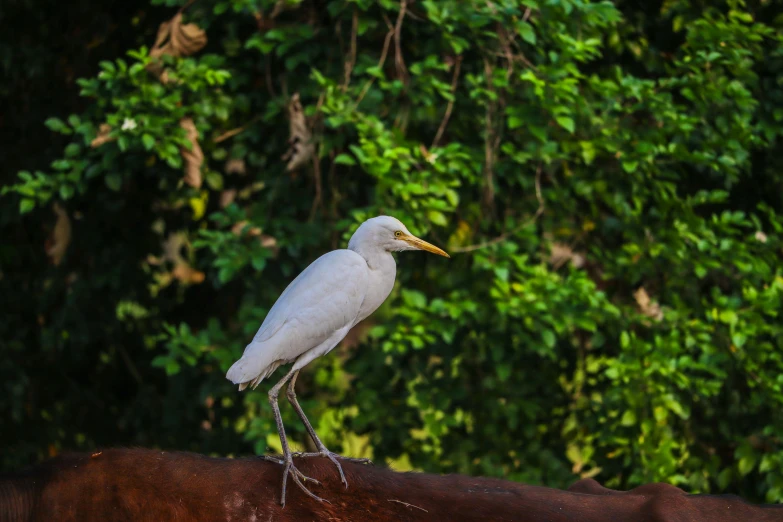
point(333, 457)
point(305, 478)
point(298, 477)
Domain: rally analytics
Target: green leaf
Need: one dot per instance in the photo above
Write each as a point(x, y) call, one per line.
point(72, 150)
point(725, 477)
point(414, 298)
point(566, 122)
point(526, 31)
point(588, 152)
point(746, 464)
point(57, 125)
point(344, 159)
point(114, 181)
point(629, 418)
point(225, 274)
point(26, 205)
point(437, 218)
point(66, 191)
point(504, 371)
point(148, 141)
point(728, 317)
point(259, 263)
point(61, 164)
point(214, 180)
point(514, 122)
point(630, 166)
point(549, 338)
point(172, 367)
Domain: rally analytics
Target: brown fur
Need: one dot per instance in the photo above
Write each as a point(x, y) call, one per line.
point(148, 485)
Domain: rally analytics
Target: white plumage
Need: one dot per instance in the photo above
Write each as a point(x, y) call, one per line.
point(318, 309)
point(323, 300)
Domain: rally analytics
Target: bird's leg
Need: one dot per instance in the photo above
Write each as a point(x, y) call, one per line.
point(287, 458)
point(322, 450)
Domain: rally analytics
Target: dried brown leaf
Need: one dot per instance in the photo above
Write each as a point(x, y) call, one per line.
point(176, 39)
point(163, 34)
point(561, 254)
point(647, 306)
point(186, 39)
point(159, 48)
point(187, 274)
point(194, 158)
point(172, 247)
point(239, 227)
point(300, 142)
point(60, 238)
point(268, 242)
point(235, 166)
point(227, 197)
point(103, 136)
point(172, 251)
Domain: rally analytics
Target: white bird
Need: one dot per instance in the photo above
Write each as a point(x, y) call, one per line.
point(315, 312)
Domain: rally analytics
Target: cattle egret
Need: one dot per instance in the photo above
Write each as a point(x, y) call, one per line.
point(315, 312)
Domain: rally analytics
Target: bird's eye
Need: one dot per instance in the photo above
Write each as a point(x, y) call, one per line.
point(398, 233)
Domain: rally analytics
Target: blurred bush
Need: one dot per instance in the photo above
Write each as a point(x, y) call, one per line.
point(606, 175)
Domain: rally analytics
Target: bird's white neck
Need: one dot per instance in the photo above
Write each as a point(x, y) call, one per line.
point(377, 258)
point(383, 271)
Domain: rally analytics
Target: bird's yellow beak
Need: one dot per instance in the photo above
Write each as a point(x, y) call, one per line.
point(423, 245)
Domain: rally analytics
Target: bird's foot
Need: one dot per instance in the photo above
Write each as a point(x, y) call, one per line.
point(296, 474)
point(299, 478)
point(333, 457)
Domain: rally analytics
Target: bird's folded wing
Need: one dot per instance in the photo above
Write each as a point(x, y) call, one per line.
point(323, 299)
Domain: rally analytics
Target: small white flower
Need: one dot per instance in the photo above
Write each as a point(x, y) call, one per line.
point(761, 236)
point(129, 124)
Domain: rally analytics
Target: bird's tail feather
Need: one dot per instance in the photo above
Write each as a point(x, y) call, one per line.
point(266, 372)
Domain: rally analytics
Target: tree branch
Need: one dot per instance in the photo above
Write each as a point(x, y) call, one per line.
point(450, 105)
point(402, 71)
point(233, 132)
point(351, 62)
point(381, 62)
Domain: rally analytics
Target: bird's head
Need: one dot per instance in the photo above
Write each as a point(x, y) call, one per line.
point(391, 235)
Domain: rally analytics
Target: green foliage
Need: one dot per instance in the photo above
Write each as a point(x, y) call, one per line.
point(605, 174)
